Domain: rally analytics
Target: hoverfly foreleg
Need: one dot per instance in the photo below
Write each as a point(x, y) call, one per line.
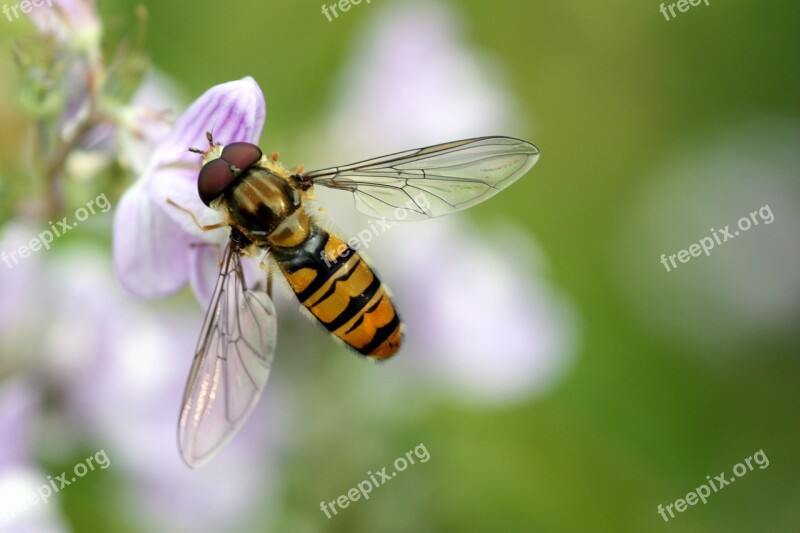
point(194, 217)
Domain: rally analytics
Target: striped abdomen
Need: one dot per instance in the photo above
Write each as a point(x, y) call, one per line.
point(333, 282)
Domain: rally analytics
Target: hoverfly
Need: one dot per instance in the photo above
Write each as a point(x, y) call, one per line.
point(264, 205)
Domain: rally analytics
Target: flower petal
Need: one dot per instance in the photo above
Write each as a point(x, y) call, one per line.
point(148, 120)
point(175, 185)
point(233, 111)
point(16, 484)
point(18, 401)
point(150, 250)
point(70, 21)
point(204, 271)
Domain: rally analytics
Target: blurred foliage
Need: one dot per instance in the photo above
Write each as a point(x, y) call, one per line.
point(610, 91)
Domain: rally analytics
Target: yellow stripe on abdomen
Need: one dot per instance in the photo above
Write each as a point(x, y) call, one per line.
point(338, 287)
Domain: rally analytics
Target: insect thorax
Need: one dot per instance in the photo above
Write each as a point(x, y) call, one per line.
point(267, 209)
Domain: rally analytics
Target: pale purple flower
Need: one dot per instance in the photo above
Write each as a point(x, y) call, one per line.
point(418, 83)
point(482, 322)
point(156, 248)
point(74, 23)
point(119, 370)
point(76, 28)
point(18, 404)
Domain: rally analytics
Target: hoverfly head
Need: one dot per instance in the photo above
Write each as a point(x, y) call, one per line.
point(222, 165)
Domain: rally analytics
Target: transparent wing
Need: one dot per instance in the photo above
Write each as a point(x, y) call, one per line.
point(433, 181)
point(230, 367)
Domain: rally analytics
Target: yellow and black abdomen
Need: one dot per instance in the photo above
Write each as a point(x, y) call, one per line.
point(333, 282)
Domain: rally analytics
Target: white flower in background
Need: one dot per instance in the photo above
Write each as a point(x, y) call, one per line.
point(147, 120)
point(19, 475)
point(25, 306)
point(480, 319)
point(137, 128)
point(747, 288)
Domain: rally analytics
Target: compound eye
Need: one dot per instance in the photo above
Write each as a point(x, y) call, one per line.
point(241, 155)
point(215, 176)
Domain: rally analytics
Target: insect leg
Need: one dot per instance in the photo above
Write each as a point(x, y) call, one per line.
point(209, 244)
point(269, 282)
point(266, 284)
point(194, 217)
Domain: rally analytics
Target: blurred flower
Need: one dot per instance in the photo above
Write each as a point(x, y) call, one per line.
point(131, 136)
point(77, 68)
point(147, 120)
point(18, 402)
point(481, 321)
point(155, 250)
point(24, 307)
point(85, 119)
point(127, 395)
point(419, 83)
point(117, 371)
point(74, 23)
point(747, 289)
point(19, 476)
